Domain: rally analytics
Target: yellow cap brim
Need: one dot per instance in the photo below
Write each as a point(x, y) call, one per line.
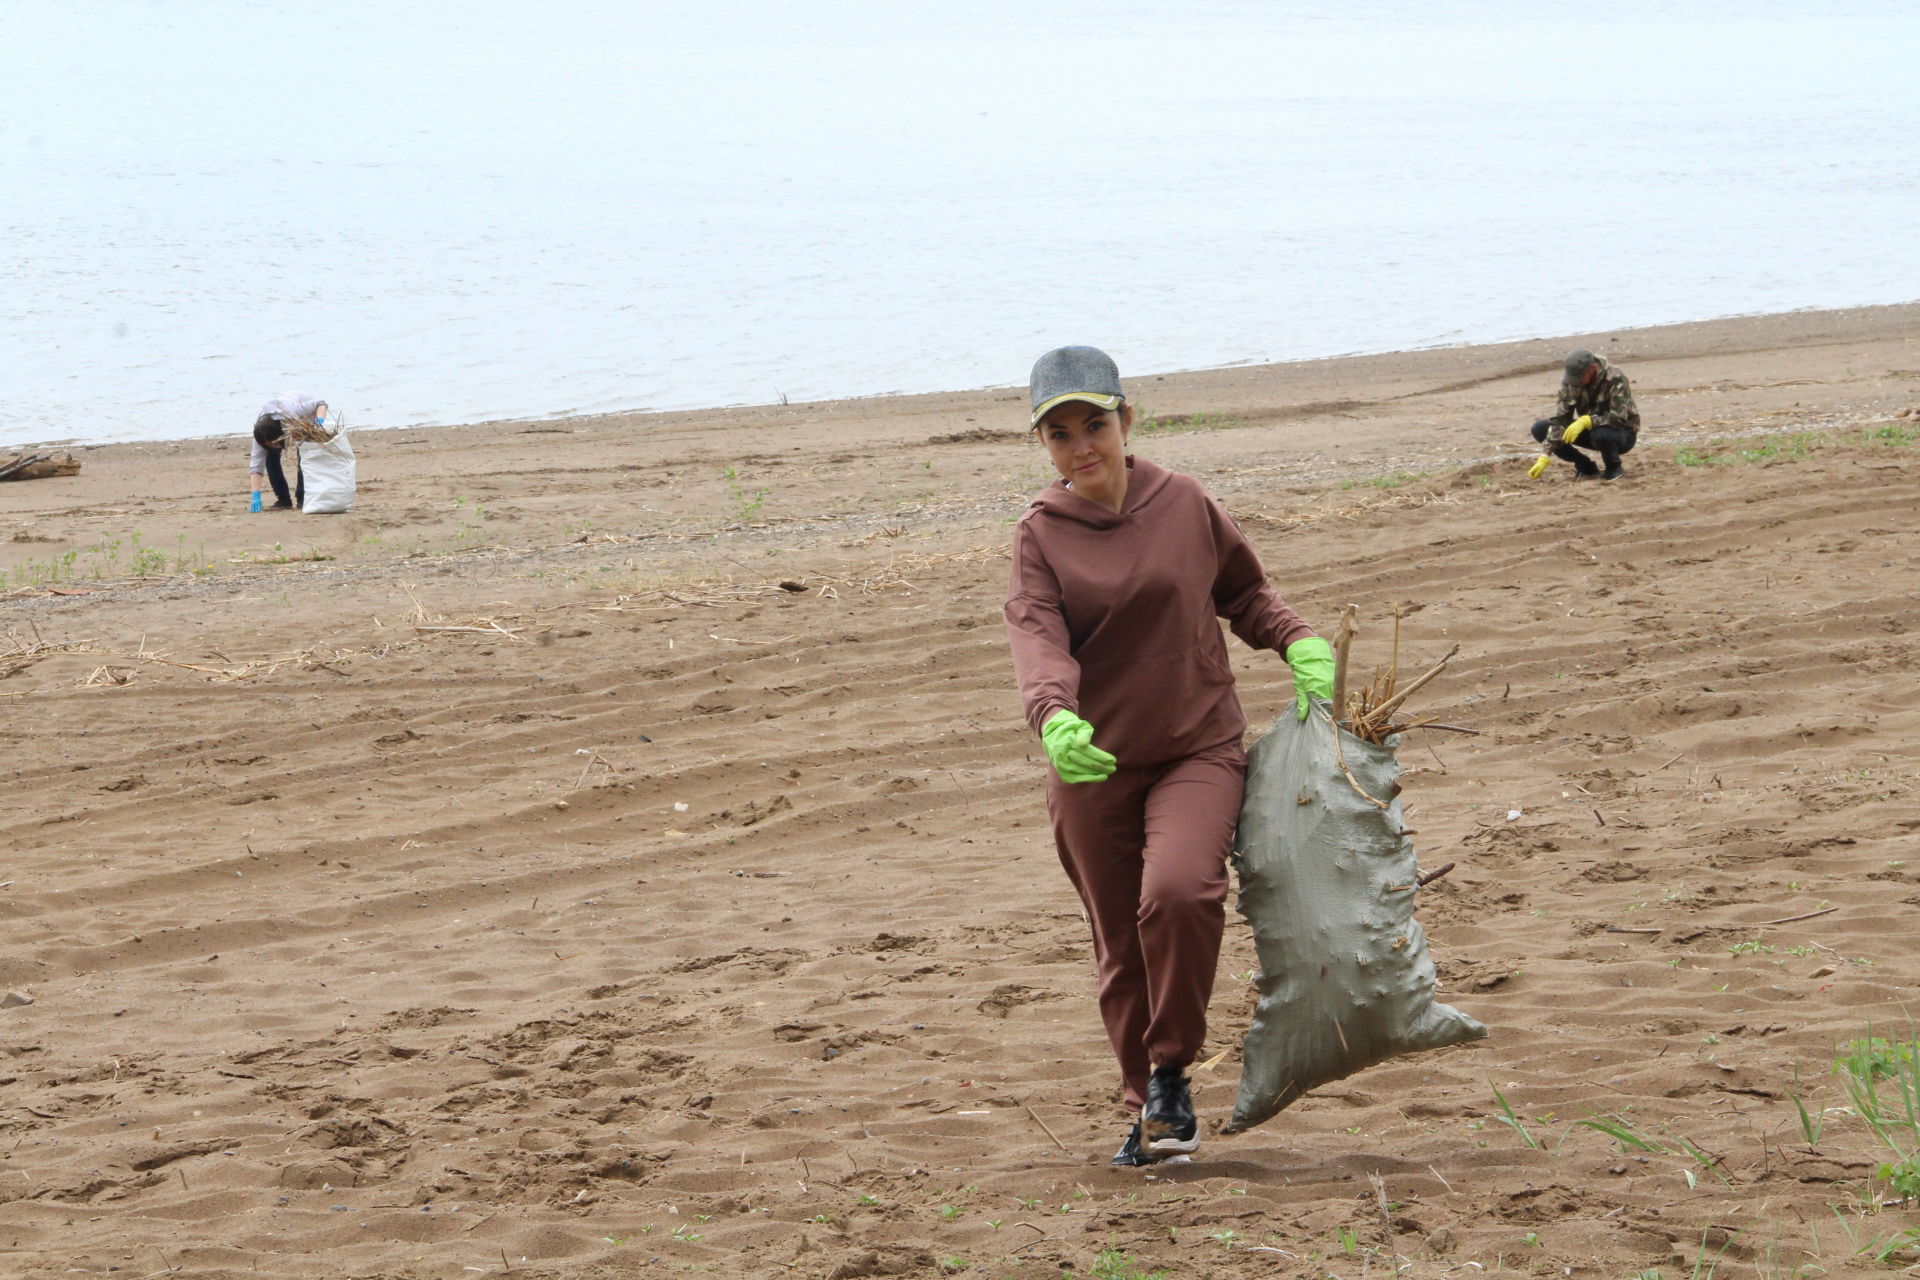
point(1090, 397)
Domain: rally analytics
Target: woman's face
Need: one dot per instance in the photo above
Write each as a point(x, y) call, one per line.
point(1088, 446)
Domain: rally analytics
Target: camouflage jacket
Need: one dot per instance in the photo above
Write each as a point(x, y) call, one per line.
point(1609, 401)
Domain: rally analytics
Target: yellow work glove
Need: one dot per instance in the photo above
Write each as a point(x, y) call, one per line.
point(1576, 429)
point(1539, 467)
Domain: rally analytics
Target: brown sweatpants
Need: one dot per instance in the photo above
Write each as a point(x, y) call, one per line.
point(1147, 850)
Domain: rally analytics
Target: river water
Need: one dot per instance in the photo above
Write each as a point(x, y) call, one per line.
point(444, 212)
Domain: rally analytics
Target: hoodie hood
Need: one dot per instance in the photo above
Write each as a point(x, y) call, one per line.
point(1145, 480)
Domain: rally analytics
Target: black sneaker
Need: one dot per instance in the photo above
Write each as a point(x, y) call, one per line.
point(1167, 1125)
point(281, 506)
point(1130, 1156)
point(1613, 471)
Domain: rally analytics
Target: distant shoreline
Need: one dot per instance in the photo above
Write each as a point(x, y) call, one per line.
point(1721, 335)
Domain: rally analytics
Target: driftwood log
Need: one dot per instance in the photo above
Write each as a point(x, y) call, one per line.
point(39, 466)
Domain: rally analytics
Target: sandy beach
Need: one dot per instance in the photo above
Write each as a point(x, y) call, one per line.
point(614, 849)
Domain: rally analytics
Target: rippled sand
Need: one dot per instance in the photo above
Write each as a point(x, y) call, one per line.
point(614, 848)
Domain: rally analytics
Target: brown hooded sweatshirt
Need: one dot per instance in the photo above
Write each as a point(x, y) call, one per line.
point(1111, 615)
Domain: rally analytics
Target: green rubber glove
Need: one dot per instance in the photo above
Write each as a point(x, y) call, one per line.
point(1069, 743)
point(1576, 428)
point(1312, 661)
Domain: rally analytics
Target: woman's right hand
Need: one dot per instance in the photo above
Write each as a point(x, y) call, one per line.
point(1069, 745)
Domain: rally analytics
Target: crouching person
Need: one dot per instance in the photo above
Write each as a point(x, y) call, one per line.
point(1595, 410)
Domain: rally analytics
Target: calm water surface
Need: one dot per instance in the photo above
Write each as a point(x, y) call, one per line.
point(444, 212)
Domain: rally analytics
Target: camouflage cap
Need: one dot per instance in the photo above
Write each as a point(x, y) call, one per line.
point(1579, 360)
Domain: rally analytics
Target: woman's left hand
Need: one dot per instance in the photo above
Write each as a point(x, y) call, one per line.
point(1311, 659)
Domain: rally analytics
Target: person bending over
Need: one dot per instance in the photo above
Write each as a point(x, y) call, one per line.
point(1595, 411)
point(270, 442)
point(1121, 569)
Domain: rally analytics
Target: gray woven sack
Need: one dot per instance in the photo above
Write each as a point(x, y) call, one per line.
point(1326, 881)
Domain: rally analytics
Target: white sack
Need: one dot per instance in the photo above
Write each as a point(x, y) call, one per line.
point(1326, 880)
point(328, 469)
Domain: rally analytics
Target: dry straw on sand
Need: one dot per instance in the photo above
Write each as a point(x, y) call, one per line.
point(714, 593)
point(17, 653)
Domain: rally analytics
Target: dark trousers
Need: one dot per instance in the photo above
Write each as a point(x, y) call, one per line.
point(1608, 442)
point(1147, 851)
point(277, 477)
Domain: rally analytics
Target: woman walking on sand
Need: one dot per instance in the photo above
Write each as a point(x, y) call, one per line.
point(1120, 568)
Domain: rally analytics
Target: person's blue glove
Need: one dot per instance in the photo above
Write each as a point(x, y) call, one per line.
point(256, 501)
point(1312, 661)
point(1069, 744)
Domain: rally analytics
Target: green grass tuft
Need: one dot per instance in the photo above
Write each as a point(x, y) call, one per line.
point(1181, 423)
point(1394, 480)
point(1872, 1069)
point(1116, 1264)
point(1512, 1121)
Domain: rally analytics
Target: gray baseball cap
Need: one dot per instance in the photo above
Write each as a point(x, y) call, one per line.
point(1579, 360)
point(1074, 373)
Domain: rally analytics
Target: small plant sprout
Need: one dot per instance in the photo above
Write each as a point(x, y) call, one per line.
point(1711, 1163)
point(1703, 1266)
point(1620, 1130)
point(746, 505)
point(1512, 1121)
point(1811, 1122)
point(949, 1212)
point(1115, 1264)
